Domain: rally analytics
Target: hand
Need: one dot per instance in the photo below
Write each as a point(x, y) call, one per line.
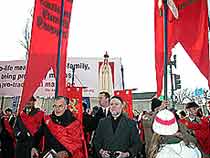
point(163, 105)
point(34, 153)
point(179, 134)
point(104, 153)
point(122, 154)
point(62, 154)
point(89, 111)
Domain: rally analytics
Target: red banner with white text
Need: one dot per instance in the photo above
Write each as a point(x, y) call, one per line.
point(44, 46)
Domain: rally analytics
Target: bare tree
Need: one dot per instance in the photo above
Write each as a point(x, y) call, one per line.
point(27, 34)
point(186, 95)
point(183, 95)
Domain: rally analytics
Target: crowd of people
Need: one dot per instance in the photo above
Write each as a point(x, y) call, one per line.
point(107, 131)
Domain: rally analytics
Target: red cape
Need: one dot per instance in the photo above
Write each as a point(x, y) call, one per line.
point(70, 136)
point(202, 132)
point(32, 122)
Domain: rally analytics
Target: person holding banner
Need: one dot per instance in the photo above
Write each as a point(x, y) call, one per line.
point(117, 135)
point(27, 124)
point(62, 133)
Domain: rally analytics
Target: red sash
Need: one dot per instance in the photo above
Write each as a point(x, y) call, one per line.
point(32, 122)
point(70, 137)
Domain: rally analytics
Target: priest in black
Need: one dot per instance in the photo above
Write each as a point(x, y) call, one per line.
point(117, 135)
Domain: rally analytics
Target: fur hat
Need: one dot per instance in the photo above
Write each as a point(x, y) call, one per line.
point(165, 123)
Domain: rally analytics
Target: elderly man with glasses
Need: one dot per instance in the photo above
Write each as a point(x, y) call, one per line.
point(62, 131)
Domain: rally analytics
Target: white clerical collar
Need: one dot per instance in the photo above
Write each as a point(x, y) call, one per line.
point(105, 110)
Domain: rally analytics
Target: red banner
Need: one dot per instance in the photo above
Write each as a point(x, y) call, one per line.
point(75, 96)
point(190, 29)
point(126, 96)
point(44, 46)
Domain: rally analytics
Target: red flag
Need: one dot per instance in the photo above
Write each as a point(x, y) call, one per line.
point(75, 96)
point(44, 46)
point(126, 95)
point(190, 29)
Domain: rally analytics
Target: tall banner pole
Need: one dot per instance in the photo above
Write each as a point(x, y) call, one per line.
point(2, 103)
point(122, 73)
point(59, 48)
point(165, 27)
point(73, 71)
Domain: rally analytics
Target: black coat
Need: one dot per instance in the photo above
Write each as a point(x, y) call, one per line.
point(126, 137)
point(23, 140)
point(23, 136)
point(90, 122)
point(7, 142)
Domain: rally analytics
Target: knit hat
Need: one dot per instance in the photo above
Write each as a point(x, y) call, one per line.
point(155, 103)
point(165, 123)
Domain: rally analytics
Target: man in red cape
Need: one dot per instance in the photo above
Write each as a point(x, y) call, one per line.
point(200, 127)
point(62, 132)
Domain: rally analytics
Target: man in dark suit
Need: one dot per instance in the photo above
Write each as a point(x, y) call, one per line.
point(116, 135)
point(91, 119)
point(102, 110)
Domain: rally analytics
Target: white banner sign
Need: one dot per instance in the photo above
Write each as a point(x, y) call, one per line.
point(86, 74)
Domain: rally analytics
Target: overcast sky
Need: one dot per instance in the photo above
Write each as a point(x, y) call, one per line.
point(121, 27)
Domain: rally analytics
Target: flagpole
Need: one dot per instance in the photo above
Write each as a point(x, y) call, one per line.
point(122, 73)
point(59, 48)
point(165, 47)
point(2, 102)
point(73, 71)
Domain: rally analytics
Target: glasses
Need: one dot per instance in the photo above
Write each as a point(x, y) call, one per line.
point(61, 106)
